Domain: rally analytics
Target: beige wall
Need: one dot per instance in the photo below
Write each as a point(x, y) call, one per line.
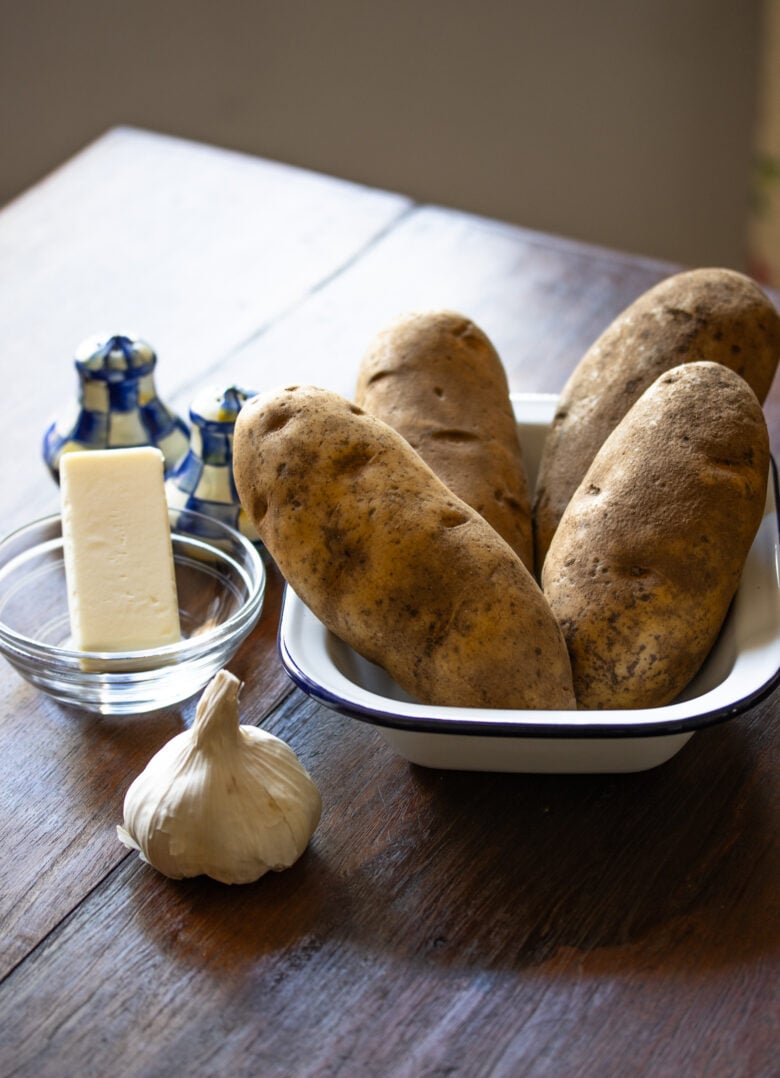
point(764, 262)
point(624, 122)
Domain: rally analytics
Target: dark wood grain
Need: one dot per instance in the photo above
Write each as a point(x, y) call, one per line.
point(440, 922)
point(541, 300)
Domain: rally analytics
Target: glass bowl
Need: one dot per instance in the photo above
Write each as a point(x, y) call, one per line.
point(220, 579)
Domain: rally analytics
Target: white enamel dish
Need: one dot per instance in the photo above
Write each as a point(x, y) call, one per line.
point(743, 667)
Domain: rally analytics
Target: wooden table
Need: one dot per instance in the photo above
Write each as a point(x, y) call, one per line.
point(440, 922)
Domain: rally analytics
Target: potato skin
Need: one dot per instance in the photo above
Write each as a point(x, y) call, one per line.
point(649, 551)
point(704, 314)
point(390, 560)
point(437, 379)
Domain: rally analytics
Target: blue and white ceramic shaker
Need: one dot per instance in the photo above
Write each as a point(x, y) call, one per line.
point(117, 404)
point(203, 482)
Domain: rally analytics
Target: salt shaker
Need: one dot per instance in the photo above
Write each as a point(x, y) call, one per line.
point(117, 404)
point(203, 482)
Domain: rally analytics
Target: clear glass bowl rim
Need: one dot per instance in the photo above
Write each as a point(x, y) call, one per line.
point(252, 572)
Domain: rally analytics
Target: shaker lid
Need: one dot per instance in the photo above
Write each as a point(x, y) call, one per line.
point(218, 405)
point(114, 358)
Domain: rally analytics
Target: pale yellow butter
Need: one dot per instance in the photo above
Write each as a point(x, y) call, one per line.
point(118, 552)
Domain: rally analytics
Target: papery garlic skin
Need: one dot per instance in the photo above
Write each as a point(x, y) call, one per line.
point(221, 800)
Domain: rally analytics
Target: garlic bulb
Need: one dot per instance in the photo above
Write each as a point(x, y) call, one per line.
point(221, 800)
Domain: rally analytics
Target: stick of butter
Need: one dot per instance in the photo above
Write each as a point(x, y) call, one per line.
point(117, 548)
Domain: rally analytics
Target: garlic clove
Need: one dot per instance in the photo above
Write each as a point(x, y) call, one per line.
point(223, 800)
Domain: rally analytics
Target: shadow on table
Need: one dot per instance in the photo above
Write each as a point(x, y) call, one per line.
point(505, 872)
point(660, 865)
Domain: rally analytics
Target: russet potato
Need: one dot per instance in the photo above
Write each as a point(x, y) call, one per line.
point(390, 560)
point(437, 379)
point(648, 554)
point(717, 315)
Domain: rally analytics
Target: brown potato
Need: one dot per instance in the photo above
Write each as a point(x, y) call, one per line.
point(390, 560)
point(437, 379)
point(703, 314)
point(648, 554)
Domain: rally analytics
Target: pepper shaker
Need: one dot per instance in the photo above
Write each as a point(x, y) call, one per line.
point(203, 482)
